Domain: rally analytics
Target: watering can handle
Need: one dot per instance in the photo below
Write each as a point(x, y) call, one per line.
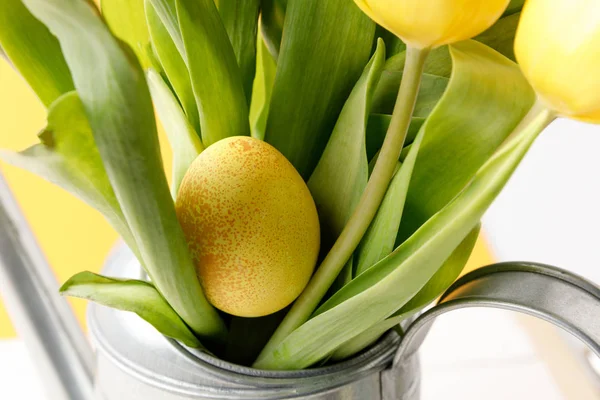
point(560, 297)
point(41, 317)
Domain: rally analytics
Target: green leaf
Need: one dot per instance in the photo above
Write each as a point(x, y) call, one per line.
point(467, 133)
point(478, 107)
point(341, 175)
point(438, 67)
point(378, 126)
point(272, 17)
point(184, 140)
point(433, 289)
point(481, 76)
point(127, 21)
point(116, 100)
point(167, 11)
point(240, 18)
point(262, 90)
point(431, 89)
point(514, 6)
point(134, 296)
point(501, 36)
point(379, 239)
point(393, 44)
point(67, 156)
point(173, 65)
point(324, 50)
point(34, 52)
point(215, 75)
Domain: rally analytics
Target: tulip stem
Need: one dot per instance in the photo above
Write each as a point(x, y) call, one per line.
point(367, 207)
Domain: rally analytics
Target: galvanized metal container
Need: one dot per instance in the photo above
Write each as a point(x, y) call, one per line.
point(135, 362)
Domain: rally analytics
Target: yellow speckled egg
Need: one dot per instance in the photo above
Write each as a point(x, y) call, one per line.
point(251, 225)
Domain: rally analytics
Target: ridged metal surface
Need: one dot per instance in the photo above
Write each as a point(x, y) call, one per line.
point(41, 317)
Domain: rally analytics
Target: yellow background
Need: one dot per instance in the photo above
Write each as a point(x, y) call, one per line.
point(73, 236)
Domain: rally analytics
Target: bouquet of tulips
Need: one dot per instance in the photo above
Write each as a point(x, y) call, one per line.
point(332, 158)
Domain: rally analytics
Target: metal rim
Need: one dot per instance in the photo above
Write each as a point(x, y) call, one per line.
point(461, 295)
point(367, 359)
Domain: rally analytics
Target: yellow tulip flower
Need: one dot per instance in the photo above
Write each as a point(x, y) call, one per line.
point(558, 48)
point(432, 23)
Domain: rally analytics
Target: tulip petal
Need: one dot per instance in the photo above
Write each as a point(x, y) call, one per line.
point(433, 23)
point(558, 49)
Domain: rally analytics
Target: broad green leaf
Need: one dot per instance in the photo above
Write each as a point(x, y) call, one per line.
point(167, 11)
point(514, 6)
point(378, 126)
point(343, 278)
point(479, 106)
point(134, 296)
point(438, 67)
point(173, 65)
point(272, 17)
point(341, 175)
point(393, 44)
point(379, 239)
point(431, 89)
point(127, 21)
point(262, 90)
point(184, 140)
point(501, 36)
point(116, 100)
point(215, 75)
point(324, 50)
point(467, 133)
point(240, 18)
point(34, 52)
point(67, 156)
point(481, 76)
point(433, 289)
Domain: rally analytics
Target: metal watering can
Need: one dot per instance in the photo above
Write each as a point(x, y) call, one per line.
point(132, 361)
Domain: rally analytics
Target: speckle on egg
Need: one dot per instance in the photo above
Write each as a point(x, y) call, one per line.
point(251, 225)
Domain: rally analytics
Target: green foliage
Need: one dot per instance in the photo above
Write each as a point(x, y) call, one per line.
point(214, 71)
point(386, 287)
point(325, 47)
point(67, 156)
point(116, 100)
point(131, 295)
point(272, 18)
point(184, 140)
point(262, 90)
point(341, 175)
point(34, 52)
point(173, 65)
point(433, 289)
point(379, 239)
point(461, 139)
point(240, 18)
point(127, 21)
